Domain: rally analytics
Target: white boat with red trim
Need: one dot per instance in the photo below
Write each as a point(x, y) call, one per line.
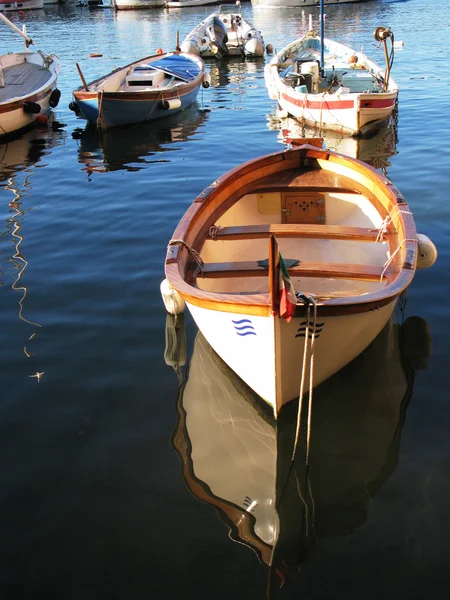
point(325, 84)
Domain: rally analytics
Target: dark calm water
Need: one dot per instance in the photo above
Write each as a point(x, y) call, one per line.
point(93, 504)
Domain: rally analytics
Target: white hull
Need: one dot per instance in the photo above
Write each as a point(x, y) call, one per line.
point(349, 107)
point(188, 3)
point(137, 4)
point(24, 5)
point(267, 354)
point(297, 3)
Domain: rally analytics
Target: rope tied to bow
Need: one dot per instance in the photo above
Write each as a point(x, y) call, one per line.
point(191, 251)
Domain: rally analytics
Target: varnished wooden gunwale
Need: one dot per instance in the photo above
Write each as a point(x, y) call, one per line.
point(213, 201)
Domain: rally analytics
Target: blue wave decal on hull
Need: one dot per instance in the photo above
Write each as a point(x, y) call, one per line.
point(243, 327)
point(301, 331)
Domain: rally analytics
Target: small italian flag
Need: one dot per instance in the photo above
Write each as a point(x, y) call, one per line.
point(288, 300)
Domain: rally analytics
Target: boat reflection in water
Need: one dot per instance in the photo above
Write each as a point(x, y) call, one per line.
point(19, 159)
point(375, 149)
point(132, 148)
point(236, 458)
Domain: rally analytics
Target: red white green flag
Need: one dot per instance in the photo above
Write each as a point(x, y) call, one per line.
point(288, 300)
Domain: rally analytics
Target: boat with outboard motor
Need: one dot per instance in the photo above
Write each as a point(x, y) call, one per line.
point(225, 33)
point(306, 219)
point(328, 85)
point(27, 85)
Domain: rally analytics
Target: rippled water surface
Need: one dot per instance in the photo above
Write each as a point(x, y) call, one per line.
point(93, 500)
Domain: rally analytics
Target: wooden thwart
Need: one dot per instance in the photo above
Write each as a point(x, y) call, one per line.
point(335, 232)
point(303, 269)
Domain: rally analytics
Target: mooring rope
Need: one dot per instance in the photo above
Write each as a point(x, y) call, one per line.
point(382, 229)
point(308, 348)
point(195, 255)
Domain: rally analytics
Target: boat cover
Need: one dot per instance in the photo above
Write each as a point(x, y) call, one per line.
point(174, 65)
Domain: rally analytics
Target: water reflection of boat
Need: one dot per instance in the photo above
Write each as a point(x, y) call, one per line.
point(18, 160)
point(374, 149)
point(133, 147)
point(235, 458)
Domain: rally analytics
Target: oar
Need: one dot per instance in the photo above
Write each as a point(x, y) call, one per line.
point(28, 40)
point(82, 77)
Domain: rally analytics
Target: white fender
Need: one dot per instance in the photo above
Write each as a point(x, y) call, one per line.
point(427, 252)
point(173, 302)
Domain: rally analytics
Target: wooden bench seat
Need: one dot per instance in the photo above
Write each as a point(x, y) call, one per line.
point(303, 269)
point(333, 232)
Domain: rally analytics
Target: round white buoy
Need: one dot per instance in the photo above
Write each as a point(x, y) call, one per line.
point(173, 302)
point(427, 252)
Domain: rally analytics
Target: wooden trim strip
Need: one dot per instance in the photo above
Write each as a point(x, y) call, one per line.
point(303, 269)
point(335, 232)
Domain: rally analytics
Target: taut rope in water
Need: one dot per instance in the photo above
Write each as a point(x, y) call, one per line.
point(308, 348)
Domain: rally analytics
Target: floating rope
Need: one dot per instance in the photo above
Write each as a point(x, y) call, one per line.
point(195, 255)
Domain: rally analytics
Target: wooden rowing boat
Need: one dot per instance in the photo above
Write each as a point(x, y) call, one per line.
point(146, 90)
point(349, 244)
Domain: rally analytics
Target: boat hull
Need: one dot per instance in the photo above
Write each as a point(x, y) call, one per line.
point(126, 105)
point(14, 116)
point(138, 4)
point(267, 352)
point(19, 6)
point(116, 110)
point(298, 3)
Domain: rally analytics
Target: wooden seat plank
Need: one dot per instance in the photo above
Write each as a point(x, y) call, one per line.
point(335, 232)
point(303, 269)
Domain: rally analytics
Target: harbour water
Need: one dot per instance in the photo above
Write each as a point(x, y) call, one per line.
point(93, 501)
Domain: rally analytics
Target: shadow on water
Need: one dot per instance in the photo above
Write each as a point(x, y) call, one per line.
point(132, 148)
point(236, 458)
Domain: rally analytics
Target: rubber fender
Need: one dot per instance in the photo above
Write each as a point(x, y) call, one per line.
point(32, 107)
point(54, 98)
point(74, 107)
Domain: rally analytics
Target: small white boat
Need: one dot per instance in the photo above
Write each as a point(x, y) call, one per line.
point(328, 85)
point(291, 264)
point(137, 4)
point(298, 3)
point(189, 3)
point(6, 6)
point(151, 88)
point(225, 33)
point(27, 85)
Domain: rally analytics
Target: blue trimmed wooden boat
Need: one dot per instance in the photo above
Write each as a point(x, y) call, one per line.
point(149, 89)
